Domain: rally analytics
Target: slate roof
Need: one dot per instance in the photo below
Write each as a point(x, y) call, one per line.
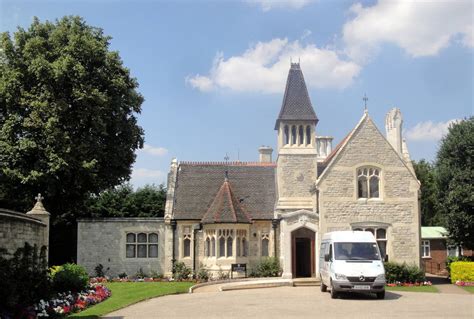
point(198, 184)
point(296, 102)
point(226, 208)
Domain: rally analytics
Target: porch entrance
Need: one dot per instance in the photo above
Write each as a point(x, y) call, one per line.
point(302, 253)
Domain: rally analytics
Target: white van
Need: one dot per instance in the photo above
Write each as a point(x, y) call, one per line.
point(350, 261)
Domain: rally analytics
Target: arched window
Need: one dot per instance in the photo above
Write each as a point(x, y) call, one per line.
point(208, 247)
point(286, 136)
point(244, 247)
point(308, 135)
point(301, 135)
point(238, 246)
point(152, 245)
point(186, 247)
point(229, 246)
point(213, 247)
point(186, 241)
point(368, 182)
point(141, 247)
point(222, 247)
point(293, 134)
point(265, 242)
point(131, 245)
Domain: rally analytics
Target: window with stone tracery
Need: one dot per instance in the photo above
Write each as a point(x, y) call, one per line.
point(187, 241)
point(264, 245)
point(241, 246)
point(368, 182)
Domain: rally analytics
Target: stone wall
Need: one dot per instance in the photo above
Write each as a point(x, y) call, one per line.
point(103, 241)
point(18, 228)
point(396, 209)
point(296, 175)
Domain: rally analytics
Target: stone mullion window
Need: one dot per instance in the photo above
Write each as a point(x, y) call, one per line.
point(265, 245)
point(368, 182)
point(141, 245)
point(187, 241)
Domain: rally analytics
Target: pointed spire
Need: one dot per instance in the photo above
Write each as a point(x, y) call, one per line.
point(296, 102)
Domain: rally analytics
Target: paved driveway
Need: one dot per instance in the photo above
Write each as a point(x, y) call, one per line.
point(300, 302)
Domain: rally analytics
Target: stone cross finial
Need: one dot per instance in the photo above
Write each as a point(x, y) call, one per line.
point(365, 98)
point(39, 198)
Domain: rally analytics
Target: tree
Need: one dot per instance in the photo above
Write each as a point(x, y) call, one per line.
point(123, 201)
point(430, 211)
point(456, 180)
point(68, 125)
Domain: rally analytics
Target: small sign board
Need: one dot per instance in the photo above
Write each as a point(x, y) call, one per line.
point(238, 268)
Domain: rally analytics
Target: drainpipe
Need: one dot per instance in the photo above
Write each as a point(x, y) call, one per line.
point(173, 259)
point(275, 223)
point(196, 228)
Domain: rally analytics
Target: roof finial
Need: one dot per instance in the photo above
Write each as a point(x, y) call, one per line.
point(226, 158)
point(39, 198)
point(365, 98)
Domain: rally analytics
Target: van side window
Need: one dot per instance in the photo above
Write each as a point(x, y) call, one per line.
point(330, 252)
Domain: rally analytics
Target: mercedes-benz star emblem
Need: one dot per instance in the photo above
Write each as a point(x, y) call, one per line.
point(362, 278)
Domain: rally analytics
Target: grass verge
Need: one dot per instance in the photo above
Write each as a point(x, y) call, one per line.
point(413, 289)
point(469, 289)
point(127, 293)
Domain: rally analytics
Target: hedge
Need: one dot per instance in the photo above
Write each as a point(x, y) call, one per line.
point(462, 271)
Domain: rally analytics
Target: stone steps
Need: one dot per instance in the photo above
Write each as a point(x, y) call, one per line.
point(305, 282)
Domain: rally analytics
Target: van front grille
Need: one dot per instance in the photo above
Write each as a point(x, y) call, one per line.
point(358, 279)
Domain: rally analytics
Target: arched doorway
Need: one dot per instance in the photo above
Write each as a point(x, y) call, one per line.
point(303, 252)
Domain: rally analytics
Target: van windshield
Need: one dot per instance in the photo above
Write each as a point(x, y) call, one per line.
point(356, 251)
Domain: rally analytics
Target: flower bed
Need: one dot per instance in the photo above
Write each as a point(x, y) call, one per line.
point(66, 303)
point(464, 283)
point(409, 284)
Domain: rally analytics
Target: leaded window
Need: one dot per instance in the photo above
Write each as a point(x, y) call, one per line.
point(141, 245)
point(368, 182)
point(264, 247)
point(187, 241)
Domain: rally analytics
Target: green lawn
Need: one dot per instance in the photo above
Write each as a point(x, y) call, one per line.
point(469, 288)
point(413, 289)
point(127, 293)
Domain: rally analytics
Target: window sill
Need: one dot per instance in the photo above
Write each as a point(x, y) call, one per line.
point(426, 257)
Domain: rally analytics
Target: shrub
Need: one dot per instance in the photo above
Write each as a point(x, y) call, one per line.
point(203, 274)
point(268, 267)
point(24, 278)
point(450, 260)
point(222, 275)
point(403, 273)
point(70, 277)
point(140, 274)
point(181, 271)
point(156, 275)
point(462, 271)
point(99, 270)
point(122, 275)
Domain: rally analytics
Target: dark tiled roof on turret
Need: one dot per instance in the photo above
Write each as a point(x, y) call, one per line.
point(296, 103)
point(198, 184)
point(226, 208)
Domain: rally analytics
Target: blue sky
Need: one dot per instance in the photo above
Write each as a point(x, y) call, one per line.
point(213, 73)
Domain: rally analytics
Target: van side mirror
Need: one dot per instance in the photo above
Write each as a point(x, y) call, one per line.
point(326, 257)
point(385, 258)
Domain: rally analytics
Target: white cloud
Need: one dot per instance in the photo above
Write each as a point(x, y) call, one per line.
point(306, 33)
point(155, 151)
point(143, 176)
point(428, 131)
point(268, 5)
point(264, 68)
point(421, 28)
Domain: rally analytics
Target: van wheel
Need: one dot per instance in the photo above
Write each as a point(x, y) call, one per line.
point(381, 295)
point(323, 287)
point(333, 292)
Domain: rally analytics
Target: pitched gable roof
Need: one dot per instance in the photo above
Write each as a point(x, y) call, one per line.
point(197, 184)
point(296, 102)
point(226, 208)
point(336, 153)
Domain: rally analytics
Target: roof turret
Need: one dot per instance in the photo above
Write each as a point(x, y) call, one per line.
point(296, 104)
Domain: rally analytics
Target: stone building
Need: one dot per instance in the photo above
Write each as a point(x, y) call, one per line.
point(17, 228)
point(218, 214)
